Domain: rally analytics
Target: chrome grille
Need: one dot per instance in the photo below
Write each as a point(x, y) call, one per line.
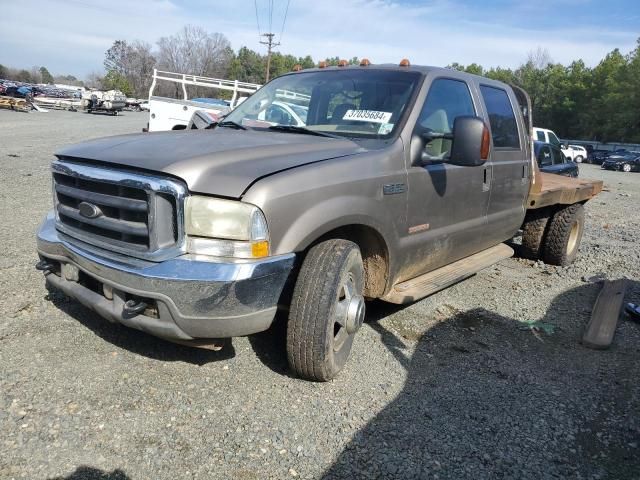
point(131, 213)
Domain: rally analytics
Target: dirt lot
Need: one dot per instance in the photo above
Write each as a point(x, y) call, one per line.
point(484, 380)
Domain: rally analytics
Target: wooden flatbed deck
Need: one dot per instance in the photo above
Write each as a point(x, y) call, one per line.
point(550, 189)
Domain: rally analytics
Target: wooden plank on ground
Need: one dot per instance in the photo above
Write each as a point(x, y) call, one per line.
point(604, 316)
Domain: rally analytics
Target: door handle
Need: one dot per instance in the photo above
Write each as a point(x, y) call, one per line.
point(486, 179)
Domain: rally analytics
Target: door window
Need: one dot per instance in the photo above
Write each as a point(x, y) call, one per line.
point(558, 156)
point(540, 135)
point(447, 100)
point(504, 128)
point(545, 157)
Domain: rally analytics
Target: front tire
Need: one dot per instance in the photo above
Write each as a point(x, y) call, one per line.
point(626, 168)
point(578, 159)
point(327, 309)
point(564, 235)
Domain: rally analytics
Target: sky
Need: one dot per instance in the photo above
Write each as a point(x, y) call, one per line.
point(71, 36)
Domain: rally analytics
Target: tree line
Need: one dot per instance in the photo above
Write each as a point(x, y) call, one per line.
point(577, 102)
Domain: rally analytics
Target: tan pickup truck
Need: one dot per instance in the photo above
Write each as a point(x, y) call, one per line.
point(389, 182)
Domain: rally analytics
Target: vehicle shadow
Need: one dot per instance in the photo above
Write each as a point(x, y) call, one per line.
point(136, 341)
point(487, 396)
point(90, 473)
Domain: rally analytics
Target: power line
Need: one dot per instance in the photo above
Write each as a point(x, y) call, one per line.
point(285, 19)
point(255, 4)
point(270, 15)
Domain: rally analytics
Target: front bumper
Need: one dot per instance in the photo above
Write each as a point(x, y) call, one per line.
point(188, 297)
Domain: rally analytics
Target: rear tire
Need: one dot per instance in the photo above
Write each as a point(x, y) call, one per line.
point(563, 236)
point(626, 168)
point(327, 309)
point(578, 159)
point(533, 233)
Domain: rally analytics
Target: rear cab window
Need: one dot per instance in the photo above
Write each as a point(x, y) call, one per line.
point(504, 128)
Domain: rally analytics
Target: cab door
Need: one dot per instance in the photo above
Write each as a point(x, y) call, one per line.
point(509, 158)
point(447, 210)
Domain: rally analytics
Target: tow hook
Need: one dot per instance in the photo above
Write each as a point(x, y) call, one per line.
point(134, 307)
point(44, 266)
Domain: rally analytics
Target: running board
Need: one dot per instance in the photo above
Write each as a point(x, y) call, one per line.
point(443, 277)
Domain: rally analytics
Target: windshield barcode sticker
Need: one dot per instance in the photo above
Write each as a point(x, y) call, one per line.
point(367, 116)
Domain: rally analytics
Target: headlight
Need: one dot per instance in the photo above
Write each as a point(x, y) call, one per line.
point(225, 228)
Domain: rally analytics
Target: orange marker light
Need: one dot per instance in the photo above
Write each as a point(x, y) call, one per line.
point(322, 64)
point(365, 62)
point(297, 68)
point(260, 249)
point(486, 144)
point(342, 63)
point(405, 62)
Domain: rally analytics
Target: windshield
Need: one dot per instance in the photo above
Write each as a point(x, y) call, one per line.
point(352, 102)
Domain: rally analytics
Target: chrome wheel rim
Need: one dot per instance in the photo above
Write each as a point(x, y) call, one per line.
point(349, 312)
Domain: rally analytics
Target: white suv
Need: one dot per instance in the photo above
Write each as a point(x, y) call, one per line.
point(575, 153)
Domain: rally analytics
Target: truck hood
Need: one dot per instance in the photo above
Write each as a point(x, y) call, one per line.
point(221, 162)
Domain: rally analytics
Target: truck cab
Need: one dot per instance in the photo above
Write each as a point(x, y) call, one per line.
point(394, 183)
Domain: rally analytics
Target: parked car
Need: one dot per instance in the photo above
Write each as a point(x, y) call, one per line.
point(551, 159)
point(598, 156)
point(626, 162)
point(577, 153)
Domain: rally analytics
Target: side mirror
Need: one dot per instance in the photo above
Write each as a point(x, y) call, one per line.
point(471, 142)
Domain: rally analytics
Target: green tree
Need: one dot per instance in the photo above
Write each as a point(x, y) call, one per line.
point(23, 76)
point(46, 76)
point(114, 80)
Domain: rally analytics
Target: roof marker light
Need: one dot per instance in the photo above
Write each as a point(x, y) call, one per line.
point(405, 62)
point(342, 63)
point(365, 62)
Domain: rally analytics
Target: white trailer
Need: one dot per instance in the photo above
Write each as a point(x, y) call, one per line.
point(174, 114)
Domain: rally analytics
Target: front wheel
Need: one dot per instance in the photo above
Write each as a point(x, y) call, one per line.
point(326, 311)
point(626, 167)
point(578, 159)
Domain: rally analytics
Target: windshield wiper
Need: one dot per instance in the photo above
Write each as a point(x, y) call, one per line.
point(303, 130)
point(232, 124)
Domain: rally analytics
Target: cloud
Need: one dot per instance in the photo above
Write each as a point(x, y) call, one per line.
point(71, 36)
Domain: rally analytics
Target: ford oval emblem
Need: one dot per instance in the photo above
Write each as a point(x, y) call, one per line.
point(89, 210)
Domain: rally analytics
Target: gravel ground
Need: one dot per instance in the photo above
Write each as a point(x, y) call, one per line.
point(484, 380)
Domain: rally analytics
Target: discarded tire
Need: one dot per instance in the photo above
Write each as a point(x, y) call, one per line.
point(326, 310)
point(563, 235)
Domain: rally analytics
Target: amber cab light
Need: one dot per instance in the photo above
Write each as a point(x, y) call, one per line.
point(365, 62)
point(486, 143)
point(322, 64)
point(405, 62)
point(342, 63)
point(296, 68)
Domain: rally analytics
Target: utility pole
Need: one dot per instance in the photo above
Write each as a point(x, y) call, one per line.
point(270, 44)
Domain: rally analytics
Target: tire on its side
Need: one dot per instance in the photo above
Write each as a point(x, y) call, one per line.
point(563, 236)
point(533, 234)
point(317, 348)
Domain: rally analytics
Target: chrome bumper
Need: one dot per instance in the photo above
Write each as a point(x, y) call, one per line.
point(191, 297)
